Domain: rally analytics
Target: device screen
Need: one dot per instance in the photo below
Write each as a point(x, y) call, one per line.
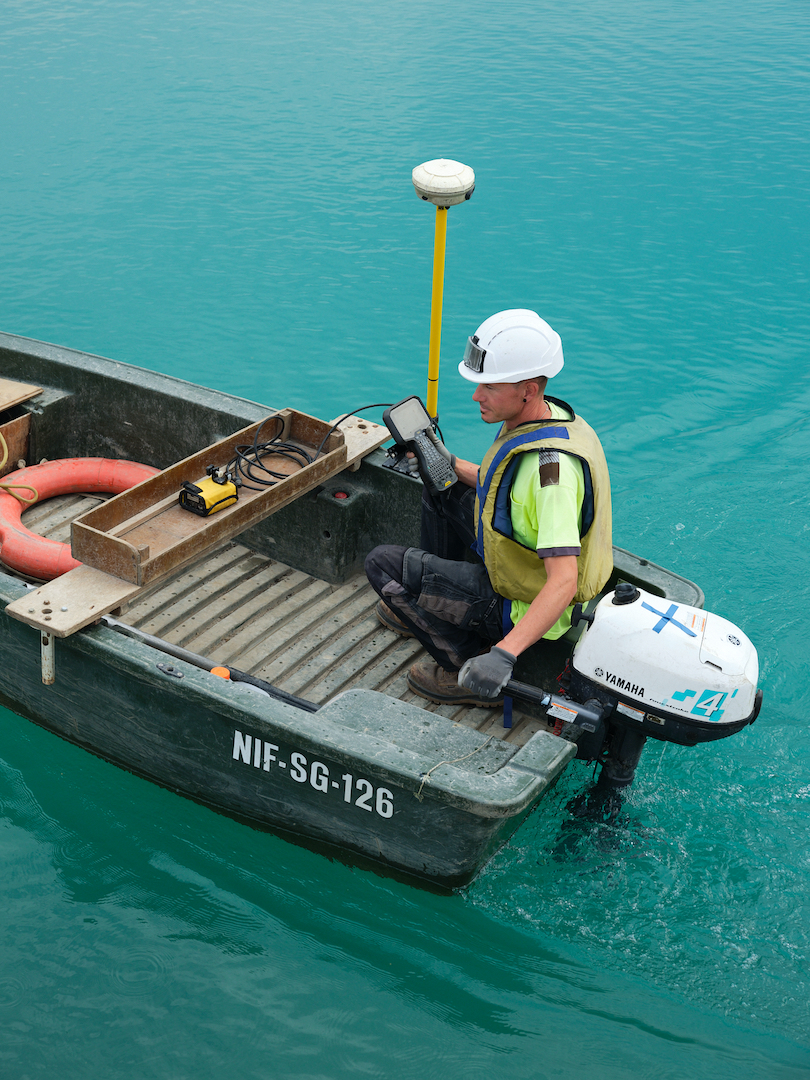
point(409, 417)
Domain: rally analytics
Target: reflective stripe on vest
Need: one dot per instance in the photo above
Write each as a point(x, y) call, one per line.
point(515, 571)
point(481, 489)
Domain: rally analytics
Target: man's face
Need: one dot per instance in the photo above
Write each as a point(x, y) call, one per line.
point(499, 402)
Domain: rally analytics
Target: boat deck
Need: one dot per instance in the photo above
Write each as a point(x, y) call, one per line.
point(299, 633)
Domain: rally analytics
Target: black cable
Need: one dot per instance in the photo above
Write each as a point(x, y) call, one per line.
point(354, 412)
point(247, 461)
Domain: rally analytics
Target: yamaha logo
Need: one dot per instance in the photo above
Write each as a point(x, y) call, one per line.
point(620, 683)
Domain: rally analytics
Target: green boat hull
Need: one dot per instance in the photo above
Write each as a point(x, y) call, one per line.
point(368, 776)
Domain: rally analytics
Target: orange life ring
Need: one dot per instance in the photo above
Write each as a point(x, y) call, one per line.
point(36, 556)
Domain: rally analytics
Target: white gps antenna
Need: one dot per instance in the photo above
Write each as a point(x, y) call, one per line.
point(444, 183)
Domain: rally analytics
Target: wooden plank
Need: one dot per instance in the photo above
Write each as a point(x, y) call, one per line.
point(61, 509)
point(124, 538)
point(362, 436)
point(15, 433)
point(145, 516)
point(14, 393)
point(72, 601)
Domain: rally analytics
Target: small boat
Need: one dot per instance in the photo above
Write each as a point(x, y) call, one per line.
point(232, 654)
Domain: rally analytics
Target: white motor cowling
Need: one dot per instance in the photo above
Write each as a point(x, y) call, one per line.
point(667, 670)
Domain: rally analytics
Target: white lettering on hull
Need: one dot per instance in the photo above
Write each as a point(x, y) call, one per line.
point(259, 754)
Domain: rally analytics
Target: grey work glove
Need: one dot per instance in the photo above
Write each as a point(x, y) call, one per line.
point(437, 442)
point(487, 675)
point(412, 465)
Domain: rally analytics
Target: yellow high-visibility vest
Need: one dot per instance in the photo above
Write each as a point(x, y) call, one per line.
point(515, 571)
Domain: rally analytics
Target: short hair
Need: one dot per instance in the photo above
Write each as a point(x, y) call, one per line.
point(541, 380)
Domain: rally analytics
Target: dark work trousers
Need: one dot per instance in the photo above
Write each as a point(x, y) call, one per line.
point(446, 600)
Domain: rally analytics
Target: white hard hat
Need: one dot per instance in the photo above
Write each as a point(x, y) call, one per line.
point(511, 346)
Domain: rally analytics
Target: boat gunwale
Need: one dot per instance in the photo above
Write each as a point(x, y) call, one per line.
point(88, 362)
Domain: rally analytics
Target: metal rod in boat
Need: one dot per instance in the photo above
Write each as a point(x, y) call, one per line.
point(206, 664)
point(443, 183)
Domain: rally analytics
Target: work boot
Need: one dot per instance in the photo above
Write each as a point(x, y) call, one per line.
point(430, 681)
point(390, 620)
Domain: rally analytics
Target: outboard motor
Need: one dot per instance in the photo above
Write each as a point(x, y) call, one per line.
point(646, 667)
point(660, 670)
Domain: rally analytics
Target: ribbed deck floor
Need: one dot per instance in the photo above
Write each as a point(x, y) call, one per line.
point(305, 636)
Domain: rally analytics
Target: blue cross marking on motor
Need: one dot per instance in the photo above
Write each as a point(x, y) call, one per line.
point(667, 617)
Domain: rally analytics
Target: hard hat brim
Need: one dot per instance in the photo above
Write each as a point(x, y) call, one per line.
point(547, 371)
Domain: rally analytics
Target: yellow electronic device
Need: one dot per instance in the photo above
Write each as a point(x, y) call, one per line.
point(214, 492)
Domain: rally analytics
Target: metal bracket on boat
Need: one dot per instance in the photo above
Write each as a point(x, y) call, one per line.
point(48, 658)
point(169, 669)
point(47, 650)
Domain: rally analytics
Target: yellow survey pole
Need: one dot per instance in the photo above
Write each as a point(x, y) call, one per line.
point(439, 247)
point(444, 183)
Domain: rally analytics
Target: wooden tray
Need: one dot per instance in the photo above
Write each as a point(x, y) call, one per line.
point(143, 533)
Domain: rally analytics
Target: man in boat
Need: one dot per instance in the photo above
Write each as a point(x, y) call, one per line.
point(536, 513)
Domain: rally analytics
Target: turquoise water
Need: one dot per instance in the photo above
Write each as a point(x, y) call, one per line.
point(222, 192)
